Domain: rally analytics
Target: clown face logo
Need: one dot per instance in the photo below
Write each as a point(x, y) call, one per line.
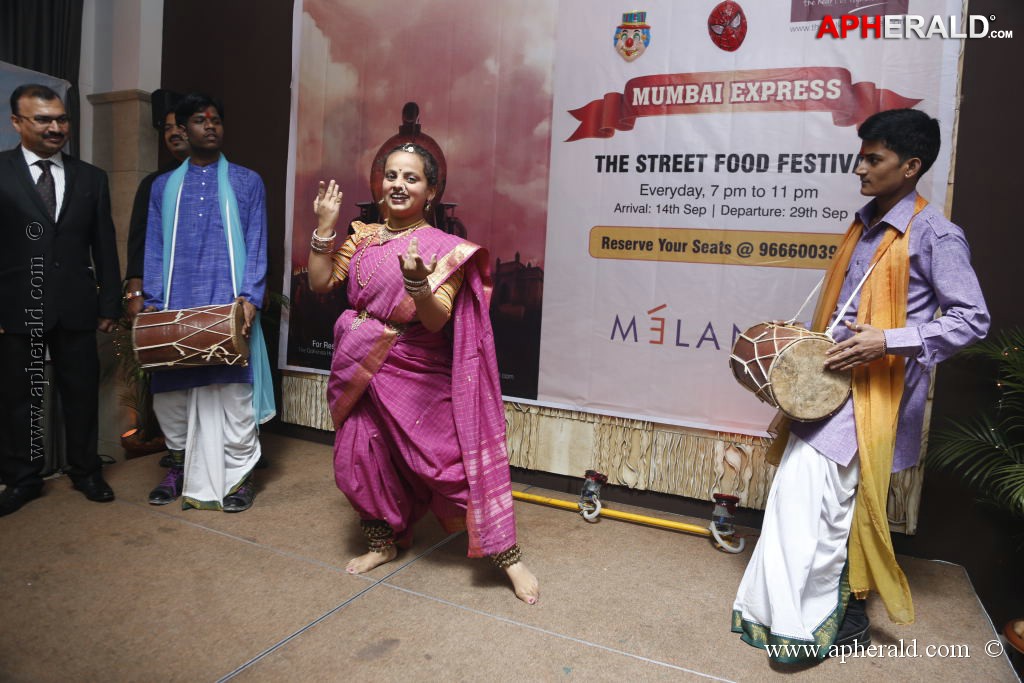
point(632, 36)
point(727, 26)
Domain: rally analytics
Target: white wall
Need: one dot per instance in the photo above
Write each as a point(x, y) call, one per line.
point(122, 43)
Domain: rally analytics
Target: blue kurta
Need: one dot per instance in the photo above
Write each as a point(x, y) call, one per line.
point(202, 267)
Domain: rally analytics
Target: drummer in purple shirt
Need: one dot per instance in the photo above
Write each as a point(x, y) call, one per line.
point(206, 244)
point(825, 540)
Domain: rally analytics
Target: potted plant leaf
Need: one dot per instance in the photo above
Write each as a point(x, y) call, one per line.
point(987, 448)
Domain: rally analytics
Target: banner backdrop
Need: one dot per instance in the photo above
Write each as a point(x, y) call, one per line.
point(480, 74)
point(691, 162)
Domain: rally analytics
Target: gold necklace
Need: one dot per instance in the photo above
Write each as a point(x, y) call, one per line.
point(388, 251)
point(386, 233)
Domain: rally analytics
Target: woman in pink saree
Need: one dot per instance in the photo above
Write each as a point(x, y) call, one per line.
point(414, 390)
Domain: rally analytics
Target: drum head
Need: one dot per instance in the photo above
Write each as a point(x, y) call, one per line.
point(803, 388)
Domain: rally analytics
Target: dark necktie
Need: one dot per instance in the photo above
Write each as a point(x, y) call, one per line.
point(47, 188)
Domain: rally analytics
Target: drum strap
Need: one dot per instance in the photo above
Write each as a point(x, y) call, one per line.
point(846, 306)
point(853, 295)
point(814, 292)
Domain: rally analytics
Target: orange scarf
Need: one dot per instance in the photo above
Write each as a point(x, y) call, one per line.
point(877, 391)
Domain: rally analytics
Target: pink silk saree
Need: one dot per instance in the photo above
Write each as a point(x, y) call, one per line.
point(389, 380)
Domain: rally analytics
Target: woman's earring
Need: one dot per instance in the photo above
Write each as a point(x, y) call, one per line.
point(426, 207)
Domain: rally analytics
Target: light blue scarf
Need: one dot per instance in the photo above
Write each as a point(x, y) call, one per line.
point(262, 385)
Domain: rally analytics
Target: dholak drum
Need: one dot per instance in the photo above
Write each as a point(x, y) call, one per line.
point(784, 365)
point(190, 337)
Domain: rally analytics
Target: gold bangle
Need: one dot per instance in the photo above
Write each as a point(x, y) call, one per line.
point(328, 238)
point(322, 245)
point(418, 289)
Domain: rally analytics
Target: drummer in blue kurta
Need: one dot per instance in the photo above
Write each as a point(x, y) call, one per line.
point(206, 244)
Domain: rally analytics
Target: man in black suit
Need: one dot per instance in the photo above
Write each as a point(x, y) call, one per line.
point(60, 282)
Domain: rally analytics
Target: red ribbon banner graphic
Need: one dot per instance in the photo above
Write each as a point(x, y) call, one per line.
point(828, 89)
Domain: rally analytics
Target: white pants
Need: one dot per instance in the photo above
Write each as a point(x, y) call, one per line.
point(791, 585)
point(216, 428)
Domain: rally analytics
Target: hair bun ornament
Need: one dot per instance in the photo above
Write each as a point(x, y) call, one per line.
point(408, 134)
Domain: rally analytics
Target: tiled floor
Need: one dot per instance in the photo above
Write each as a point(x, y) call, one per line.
point(130, 592)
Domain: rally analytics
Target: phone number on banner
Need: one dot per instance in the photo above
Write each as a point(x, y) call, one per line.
point(728, 247)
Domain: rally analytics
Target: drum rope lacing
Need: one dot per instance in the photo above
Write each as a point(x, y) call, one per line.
point(186, 352)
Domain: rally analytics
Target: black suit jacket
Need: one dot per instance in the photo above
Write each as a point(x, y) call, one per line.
point(64, 271)
point(137, 227)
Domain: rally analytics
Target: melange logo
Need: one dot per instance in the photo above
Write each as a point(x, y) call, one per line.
point(660, 327)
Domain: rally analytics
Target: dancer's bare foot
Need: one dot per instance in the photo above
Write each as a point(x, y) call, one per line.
point(372, 559)
point(524, 582)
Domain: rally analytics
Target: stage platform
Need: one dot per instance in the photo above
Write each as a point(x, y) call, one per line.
point(127, 591)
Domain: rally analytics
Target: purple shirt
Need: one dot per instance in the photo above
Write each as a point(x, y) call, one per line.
point(202, 267)
point(941, 278)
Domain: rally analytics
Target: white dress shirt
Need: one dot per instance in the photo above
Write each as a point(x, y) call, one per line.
point(56, 169)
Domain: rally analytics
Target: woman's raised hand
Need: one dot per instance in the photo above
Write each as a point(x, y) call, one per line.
point(413, 267)
point(327, 206)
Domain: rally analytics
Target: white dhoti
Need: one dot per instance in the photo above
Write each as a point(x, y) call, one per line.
point(215, 426)
point(794, 589)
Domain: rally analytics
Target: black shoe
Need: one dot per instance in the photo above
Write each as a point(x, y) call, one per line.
point(94, 488)
point(166, 460)
point(169, 489)
point(241, 500)
point(855, 631)
point(13, 497)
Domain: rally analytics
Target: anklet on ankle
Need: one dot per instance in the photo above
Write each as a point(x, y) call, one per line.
point(507, 558)
point(379, 535)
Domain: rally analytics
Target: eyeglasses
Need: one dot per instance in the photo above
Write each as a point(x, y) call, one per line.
point(45, 121)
